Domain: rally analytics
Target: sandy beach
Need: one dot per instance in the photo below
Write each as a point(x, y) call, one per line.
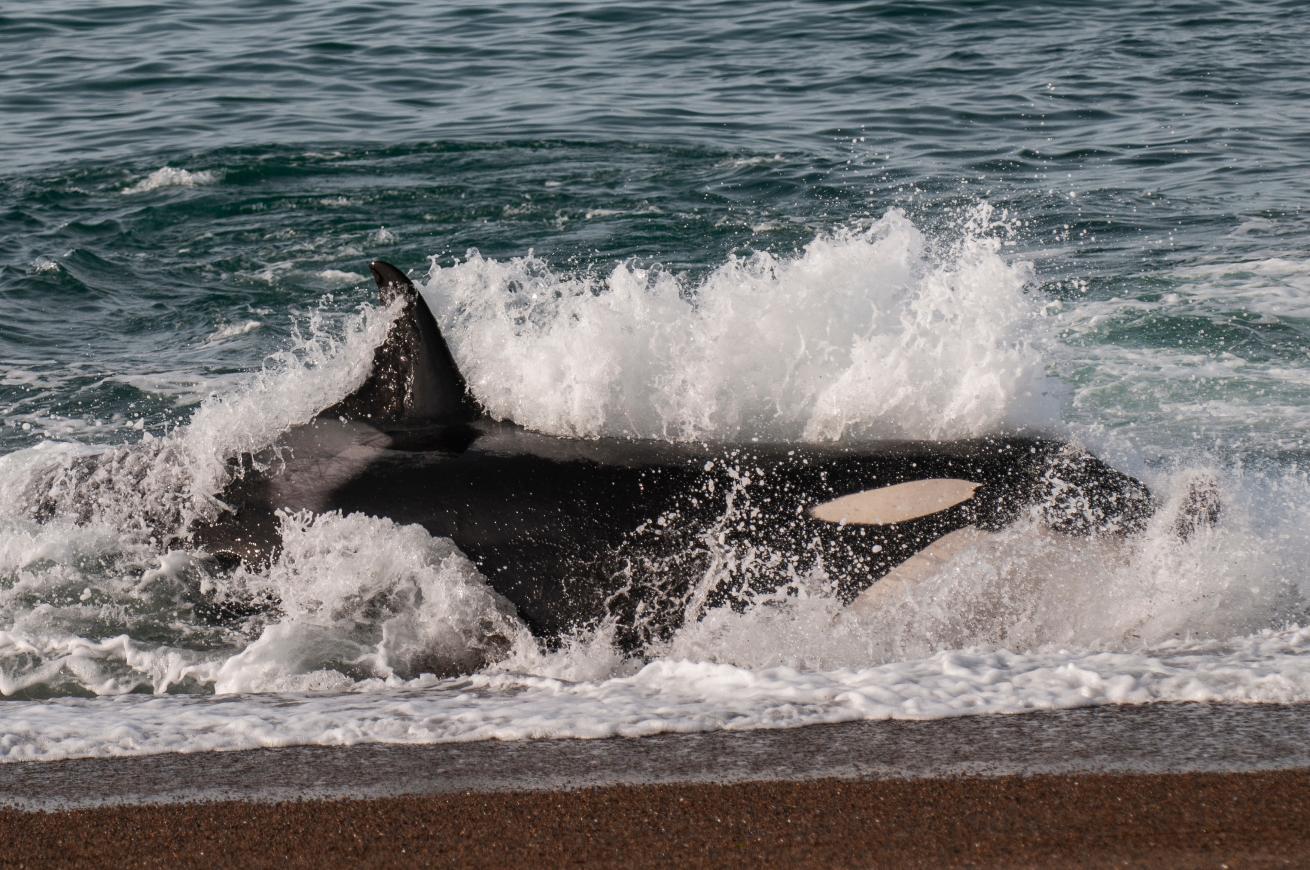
point(1159, 785)
point(1173, 820)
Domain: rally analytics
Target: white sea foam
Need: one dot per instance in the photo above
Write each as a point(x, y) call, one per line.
point(1274, 286)
point(667, 696)
point(338, 278)
point(168, 176)
point(1233, 377)
point(42, 377)
point(756, 160)
point(645, 208)
point(417, 607)
point(867, 334)
point(233, 330)
point(173, 480)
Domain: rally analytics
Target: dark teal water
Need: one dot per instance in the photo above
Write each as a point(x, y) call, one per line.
point(716, 220)
point(1127, 142)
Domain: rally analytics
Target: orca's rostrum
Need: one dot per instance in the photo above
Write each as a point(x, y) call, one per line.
point(647, 533)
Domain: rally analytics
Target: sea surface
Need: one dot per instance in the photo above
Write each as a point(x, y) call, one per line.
point(810, 221)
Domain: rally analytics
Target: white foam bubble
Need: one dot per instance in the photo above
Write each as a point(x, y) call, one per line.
point(168, 176)
point(747, 162)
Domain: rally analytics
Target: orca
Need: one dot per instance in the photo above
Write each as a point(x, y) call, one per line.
point(648, 534)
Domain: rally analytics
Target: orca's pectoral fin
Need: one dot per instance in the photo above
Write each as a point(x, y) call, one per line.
point(897, 585)
point(414, 376)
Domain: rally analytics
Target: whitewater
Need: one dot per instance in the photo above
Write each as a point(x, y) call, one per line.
point(116, 637)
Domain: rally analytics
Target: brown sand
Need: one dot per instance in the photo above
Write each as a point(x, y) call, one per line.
point(1172, 820)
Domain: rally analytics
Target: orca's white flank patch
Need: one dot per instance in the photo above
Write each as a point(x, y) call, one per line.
point(896, 504)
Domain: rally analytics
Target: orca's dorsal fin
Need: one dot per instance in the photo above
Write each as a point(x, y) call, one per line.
point(414, 376)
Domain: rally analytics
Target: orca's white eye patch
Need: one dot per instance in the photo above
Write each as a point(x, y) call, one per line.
point(898, 503)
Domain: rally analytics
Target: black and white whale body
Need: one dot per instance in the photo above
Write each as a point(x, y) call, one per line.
point(573, 532)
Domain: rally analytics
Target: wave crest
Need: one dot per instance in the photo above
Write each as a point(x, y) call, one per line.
point(867, 333)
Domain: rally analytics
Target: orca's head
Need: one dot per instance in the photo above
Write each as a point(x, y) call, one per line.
point(1078, 494)
point(1068, 489)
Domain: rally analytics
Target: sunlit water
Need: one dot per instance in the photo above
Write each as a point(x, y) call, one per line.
point(804, 223)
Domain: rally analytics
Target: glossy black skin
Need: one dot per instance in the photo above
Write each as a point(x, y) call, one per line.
point(575, 531)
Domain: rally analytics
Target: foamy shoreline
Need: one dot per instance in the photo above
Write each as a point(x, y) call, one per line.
point(1149, 739)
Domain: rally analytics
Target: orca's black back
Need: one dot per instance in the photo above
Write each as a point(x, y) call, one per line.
point(573, 532)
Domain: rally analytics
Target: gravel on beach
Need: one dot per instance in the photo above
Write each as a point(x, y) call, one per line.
point(1234, 819)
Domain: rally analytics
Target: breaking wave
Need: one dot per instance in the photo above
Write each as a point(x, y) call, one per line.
point(869, 332)
point(168, 176)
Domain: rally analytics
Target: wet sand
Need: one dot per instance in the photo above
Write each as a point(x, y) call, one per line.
point(1154, 738)
point(1165, 820)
